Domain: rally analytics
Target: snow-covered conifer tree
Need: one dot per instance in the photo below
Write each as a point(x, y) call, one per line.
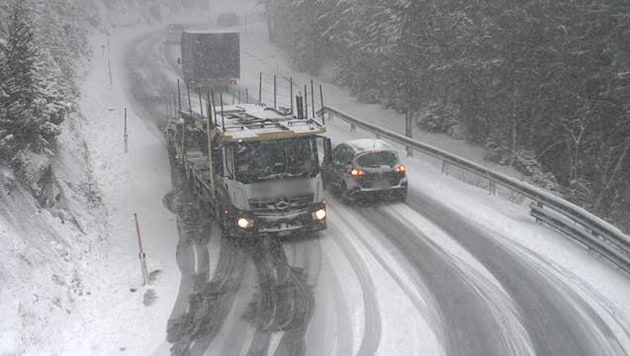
point(27, 99)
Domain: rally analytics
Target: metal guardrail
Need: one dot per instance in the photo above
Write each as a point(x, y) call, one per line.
point(560, 214)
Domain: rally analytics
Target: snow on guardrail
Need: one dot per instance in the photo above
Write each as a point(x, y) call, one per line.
point(562, 215)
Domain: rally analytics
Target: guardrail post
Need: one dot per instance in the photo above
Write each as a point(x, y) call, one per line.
point(538, 205)
point(444, 167)
point(408, 132)
point(492, 187)
point(352, 127)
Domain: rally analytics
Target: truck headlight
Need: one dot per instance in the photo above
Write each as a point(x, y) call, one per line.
point(319, 214)
point(245, 223)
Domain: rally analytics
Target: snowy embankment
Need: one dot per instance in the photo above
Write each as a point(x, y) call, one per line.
point(72, 284)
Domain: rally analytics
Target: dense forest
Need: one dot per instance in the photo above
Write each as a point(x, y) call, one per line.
point(43, 45)
point(543, 85)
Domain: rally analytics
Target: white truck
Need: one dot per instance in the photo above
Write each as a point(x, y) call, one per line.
point(257, 168)
point(210, 59)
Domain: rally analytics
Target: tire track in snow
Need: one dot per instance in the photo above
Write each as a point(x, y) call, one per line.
point(556, 326)
point(469, 327)
point(372, 330)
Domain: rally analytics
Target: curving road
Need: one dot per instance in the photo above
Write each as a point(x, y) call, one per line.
point(392, 278)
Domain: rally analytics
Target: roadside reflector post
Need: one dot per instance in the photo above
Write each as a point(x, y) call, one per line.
point(141, 255)
point(125, 136)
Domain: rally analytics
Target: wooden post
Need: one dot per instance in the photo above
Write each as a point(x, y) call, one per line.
point(274, 91)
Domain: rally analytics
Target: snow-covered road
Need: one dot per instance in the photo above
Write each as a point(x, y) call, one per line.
point(453, 271)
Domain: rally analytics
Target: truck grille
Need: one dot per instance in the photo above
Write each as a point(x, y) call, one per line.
point(281, 204)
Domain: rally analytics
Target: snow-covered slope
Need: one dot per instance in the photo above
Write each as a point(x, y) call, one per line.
point(70, 282)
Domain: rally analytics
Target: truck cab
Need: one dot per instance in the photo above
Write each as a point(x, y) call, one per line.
point(263, 175)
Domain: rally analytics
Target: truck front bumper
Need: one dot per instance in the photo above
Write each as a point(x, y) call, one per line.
point(244, 223)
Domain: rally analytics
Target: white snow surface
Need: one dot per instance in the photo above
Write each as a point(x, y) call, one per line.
point(70, 282)
point(85, 295)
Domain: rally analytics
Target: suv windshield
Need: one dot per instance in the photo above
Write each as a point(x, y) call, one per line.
point(377, 159)
point(256, 161)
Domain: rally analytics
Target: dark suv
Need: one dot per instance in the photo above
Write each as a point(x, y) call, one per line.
point(365, 167)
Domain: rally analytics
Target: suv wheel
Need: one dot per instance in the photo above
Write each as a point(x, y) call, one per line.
point(345, 193)
point(402, 195)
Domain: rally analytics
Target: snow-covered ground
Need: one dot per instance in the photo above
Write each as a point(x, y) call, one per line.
point(84, 296)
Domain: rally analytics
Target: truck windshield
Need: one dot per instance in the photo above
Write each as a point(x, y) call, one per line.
point(258, 161)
